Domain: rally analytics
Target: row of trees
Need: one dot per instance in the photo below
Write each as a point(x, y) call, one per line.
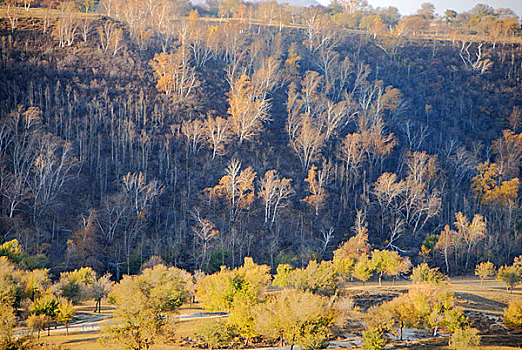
point(28, 296)
point(302, 312)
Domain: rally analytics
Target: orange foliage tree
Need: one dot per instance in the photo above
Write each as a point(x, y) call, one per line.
point(490, 190)
point(248, 109)
point(175, 77)
point(316, 181)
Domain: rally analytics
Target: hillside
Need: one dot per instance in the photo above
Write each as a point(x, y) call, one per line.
point(119, 143)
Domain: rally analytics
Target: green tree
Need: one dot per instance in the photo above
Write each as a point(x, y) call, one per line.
point(379, 321)
point(74, 285)
point(389, 263)
point(295, 317)
point(9, 286)
point(402, 312)
point(35, 282)
point(318, 278)
point(363, 269)
point(64, 313)
point(38, 323)
point(7, 325)
point(13, 251)
point(46, 305)
point(350, 251)
point(218, 291)
point(236, 291)
point(215, 333)
point(510, 276)
point(283, 276)
point(100, 288)
point(423, 273)
point(144, 304)
point(374, 338)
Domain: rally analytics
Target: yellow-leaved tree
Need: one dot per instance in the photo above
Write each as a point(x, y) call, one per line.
point(489, 188)
point(248, 109)
point(174, 74)
point(316, 181)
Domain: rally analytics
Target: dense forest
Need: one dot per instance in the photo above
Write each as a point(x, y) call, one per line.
point(151, 128)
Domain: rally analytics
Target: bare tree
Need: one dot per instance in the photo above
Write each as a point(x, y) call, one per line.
point(194, 131)
point(275, 193)
point(477, 63)
point(53, 166)
point(111, 37)
point(66, 25)
point(317, 180)
point(139, 192)
point(236, 187)
point(13, 14)
point(205, 231)
point(217, 134)
point(411, 202)
point(248, 109)
point(307, 141)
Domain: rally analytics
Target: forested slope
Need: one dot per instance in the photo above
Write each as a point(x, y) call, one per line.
point(207, 141)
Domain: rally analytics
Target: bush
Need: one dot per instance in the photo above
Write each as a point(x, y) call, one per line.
point(318, 278)
point(216, 333)
point(465, 338)
point(513, 314)
point(374, 339)
point(283, 276)
point(218, 291)
point(423, 273)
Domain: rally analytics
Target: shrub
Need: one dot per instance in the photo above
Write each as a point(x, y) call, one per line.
point(318, 278)
point(513, 314)
point(423, 273)
point(216, 333)
point(464, 338)
point(374, 339)
point(282, 278)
